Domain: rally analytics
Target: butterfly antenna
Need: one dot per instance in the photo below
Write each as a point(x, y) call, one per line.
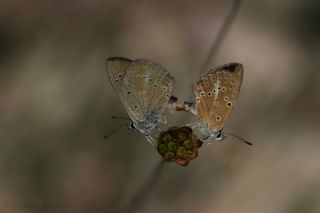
point(113, 131)
point(241, 139)
point(121, 118)
point(116, 129)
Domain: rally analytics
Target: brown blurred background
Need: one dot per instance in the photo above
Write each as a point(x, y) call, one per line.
point(56, 105)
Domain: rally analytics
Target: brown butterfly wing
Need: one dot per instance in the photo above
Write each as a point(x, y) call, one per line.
point(216, 94)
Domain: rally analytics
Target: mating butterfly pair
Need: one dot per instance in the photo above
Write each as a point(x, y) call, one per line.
point(145, 90)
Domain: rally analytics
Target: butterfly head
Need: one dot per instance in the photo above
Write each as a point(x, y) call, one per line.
point(132, 126)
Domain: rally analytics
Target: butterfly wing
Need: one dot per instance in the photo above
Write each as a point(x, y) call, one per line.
point(116, 69)
point(144, 88)
point(216, 94)
point(150, 87)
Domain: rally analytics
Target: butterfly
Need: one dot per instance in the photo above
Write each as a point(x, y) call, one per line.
point(216, 93)
point(144, 89)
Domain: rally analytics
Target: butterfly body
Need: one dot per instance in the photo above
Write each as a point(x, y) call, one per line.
point(144, 89)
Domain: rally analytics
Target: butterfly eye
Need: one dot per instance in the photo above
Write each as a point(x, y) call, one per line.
point(131, 126)
point(219, 136)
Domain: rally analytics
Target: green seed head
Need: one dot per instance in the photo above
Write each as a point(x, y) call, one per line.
point(162, 148)
point(166, 138)
point(169, 156)
point(197, 143)
point(188, 144)
point(178, 144)
point(172, 146)
point(181, 151)
point(182, 136)
point(190, 155)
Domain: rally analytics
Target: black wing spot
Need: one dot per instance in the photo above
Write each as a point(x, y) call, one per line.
point(231, 67)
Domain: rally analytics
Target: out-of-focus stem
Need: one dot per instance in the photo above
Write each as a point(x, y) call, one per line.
point(140, 200)
point(221, 34)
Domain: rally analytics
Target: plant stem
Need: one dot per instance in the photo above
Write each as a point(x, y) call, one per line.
point(221, 34)
point(139, 201)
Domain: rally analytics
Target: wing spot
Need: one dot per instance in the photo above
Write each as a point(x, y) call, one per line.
point(128, 92)
point(144, 77)
point(135, 107)
point(116, 80)
point(218, 118)
point(202, 94)
point(138, 76)
point(209, 94)
point(224, 89)
point(155, 85)
point(198, 100)
point(150, 79)
point(214, 90)
point(229, 104)
point(219, 87)
point(226, 98)
point(164, 89)
point(168, 96)
point(119, 75)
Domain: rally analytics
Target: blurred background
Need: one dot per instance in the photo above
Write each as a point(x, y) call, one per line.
point(56, 105)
